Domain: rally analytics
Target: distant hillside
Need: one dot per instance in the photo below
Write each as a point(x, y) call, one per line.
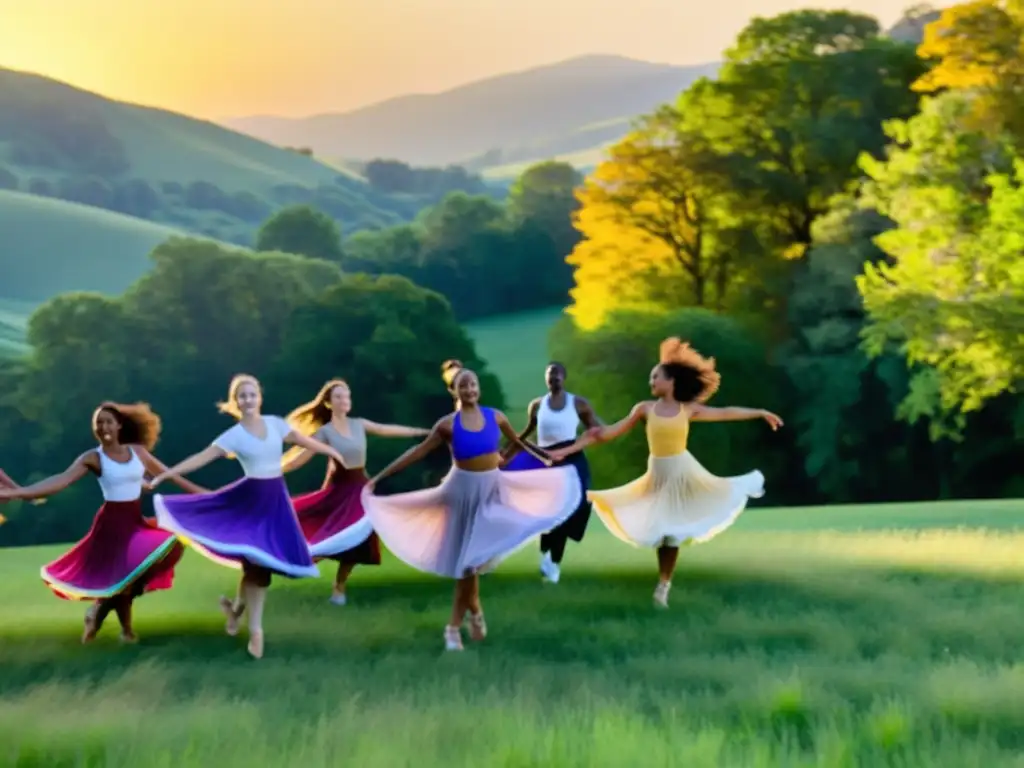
point(52, 246)
point(63, 142)
point(557, 109)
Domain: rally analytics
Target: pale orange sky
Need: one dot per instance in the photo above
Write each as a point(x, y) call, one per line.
point(226, 58)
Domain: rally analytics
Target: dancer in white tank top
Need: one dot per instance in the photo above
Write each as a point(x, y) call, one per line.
point(556, 417)
point(124, 554)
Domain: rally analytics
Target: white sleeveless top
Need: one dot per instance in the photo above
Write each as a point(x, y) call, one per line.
point(557, 426)
point(121, 482)
point(260, 459)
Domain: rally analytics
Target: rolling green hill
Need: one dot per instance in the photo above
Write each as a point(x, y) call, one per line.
point(64, 142)
point(52, 246)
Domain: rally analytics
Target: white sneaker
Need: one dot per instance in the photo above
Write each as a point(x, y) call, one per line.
point(338, 599)
point(661, 594)
point(452, 638)
point(552, 572)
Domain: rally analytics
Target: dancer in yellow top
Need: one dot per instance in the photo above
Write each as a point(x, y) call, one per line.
point(677, 501)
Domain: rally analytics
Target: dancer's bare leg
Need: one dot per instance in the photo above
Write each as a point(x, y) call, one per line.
point(460, 604)
point(477, 625)
point(338, 596)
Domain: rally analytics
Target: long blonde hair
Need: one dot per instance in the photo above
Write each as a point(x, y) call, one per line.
point(230, 405)
point(308, 418)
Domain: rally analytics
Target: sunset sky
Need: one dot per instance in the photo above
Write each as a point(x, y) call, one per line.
point(227, 58)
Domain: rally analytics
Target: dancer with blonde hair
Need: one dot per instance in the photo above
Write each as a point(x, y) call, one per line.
point(478, 515)
point(677, 501)
point(124, 554)
point(249, 524)
point(333, 519)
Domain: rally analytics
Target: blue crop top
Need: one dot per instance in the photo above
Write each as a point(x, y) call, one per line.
point(468, 445)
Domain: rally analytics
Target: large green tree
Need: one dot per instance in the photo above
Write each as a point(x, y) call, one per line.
point(174, 339)
point(303, 230)
point(952, 296)
point(799, 98)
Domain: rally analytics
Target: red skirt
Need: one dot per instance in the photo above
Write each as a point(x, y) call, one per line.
point(122, 550)
point(334, 522)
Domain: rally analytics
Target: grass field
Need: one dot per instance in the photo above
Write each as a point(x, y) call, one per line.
point(815, 637)
point(52, 246)
point(515, 349)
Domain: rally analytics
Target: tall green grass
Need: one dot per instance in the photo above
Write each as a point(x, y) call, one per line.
point(787, 644)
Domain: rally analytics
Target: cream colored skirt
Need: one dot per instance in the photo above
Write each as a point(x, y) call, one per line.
point(473, 520)
point(675, 502)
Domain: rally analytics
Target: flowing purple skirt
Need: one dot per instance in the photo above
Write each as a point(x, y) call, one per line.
point(250, 521)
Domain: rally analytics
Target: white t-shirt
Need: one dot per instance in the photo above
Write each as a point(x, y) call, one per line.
point(259, 458)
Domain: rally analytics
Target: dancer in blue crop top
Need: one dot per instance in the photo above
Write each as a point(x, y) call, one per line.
point(477, 516)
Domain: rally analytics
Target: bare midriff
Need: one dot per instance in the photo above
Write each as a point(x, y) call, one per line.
point(484, 463)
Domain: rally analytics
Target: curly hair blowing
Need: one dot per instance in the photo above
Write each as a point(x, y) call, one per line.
point(694, 378)
point(139, 423)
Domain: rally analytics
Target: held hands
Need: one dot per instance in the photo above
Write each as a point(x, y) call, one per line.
point(773, 421)
point(154, 482)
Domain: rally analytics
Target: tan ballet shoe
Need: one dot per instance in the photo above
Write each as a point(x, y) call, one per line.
point(255, 646)
point(477, 627)
point(228, 609)
point(89, 630)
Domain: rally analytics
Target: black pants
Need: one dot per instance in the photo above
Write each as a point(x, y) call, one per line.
point(575, 527)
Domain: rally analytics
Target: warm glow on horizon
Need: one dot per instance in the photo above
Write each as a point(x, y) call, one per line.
point(223, 58)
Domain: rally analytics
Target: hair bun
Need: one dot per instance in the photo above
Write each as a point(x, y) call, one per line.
point(450, 369)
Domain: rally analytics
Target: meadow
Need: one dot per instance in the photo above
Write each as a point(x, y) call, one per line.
point(515, 349)
point(843, 636)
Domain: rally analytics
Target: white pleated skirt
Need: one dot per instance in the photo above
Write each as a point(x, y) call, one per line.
point(473, 520)
point(677, 501)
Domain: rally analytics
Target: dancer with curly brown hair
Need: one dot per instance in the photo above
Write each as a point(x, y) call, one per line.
point(677, 501)
point(124, 554)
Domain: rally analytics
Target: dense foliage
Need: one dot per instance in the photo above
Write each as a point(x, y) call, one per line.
point(177, 336)
point(871, 243)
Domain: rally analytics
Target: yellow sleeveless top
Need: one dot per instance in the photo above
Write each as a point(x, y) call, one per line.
point(666, 435)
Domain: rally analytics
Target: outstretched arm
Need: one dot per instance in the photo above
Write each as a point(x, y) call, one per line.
point(53, 484)
point(313, 446)
point(734, 413)
point(604, 434)
point(393, 430)
point(5, 480)
point(414, 454)
point(587, 413)
point(514, 439)
point(155, 467)
point(531, 424)
point(196, 461)
point(300, 459)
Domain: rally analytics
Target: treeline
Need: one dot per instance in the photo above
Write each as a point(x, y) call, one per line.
point(839, 220)
point(487, 257)
point(175, 338)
